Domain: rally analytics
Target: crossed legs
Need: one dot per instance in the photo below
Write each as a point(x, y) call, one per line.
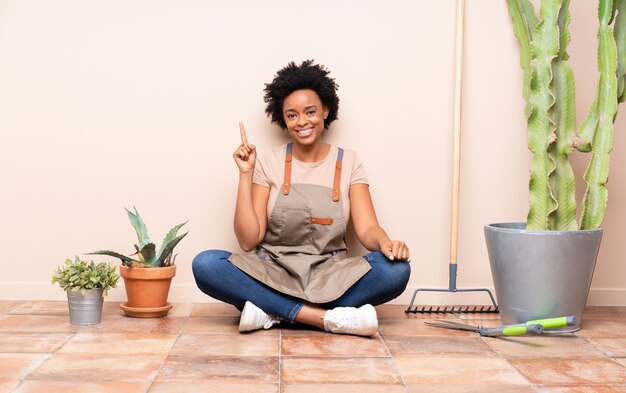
point(218, 278)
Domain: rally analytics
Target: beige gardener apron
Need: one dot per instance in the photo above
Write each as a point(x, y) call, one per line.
point(304, 253)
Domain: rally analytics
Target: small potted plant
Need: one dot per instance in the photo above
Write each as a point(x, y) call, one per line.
point(86, 284)
point(147, 273)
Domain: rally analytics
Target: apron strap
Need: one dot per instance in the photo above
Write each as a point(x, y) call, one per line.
point(337, 180)
point(287, 177)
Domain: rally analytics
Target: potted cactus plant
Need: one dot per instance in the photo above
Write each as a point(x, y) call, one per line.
point(147, 273)
point(544, 267)
point(86, 284)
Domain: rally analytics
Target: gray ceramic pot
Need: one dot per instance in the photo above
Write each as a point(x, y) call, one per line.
point(85, 309)
point(541, 274)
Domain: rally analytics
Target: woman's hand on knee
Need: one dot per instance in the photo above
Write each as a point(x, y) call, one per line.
point(395, 250)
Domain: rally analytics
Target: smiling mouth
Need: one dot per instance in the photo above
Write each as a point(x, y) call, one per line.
point(304, 133)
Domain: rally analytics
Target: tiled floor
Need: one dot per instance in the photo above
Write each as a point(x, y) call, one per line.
point(197, 349)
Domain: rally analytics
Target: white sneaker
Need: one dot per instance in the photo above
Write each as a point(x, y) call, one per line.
point(253, 318)
point(360, 321)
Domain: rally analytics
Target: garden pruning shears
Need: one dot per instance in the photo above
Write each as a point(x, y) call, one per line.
point(531, 327)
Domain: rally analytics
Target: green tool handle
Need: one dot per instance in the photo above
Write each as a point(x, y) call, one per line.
point(532, 327)
point(512, 330)
point(552, 323)
point(519, 330)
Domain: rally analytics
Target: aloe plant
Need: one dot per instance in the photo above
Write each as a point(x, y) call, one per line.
point(146, 254)
point(548, 88)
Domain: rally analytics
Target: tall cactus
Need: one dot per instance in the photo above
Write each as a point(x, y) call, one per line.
point(548, 89)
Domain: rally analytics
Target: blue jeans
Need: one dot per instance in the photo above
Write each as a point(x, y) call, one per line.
point(221, 280)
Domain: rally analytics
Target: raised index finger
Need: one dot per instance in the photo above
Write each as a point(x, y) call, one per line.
point(244, 138)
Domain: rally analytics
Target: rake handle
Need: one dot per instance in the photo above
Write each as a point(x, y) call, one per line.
point(456, 157)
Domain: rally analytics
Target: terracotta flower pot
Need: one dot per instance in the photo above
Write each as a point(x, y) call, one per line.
point(147, 290)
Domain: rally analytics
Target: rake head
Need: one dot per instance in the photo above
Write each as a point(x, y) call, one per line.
point(487, 309)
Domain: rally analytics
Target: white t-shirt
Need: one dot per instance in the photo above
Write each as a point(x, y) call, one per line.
point(269, 171)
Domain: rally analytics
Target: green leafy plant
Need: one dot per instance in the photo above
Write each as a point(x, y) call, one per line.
point(548, 89)
point(147, 256)
point(82, 275)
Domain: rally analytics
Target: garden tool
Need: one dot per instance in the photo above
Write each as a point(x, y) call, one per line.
point(537, 326)
point(454, 221)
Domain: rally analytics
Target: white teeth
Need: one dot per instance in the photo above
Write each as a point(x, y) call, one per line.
point(306, 132)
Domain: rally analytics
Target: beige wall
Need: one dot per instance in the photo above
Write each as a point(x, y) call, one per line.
point(106, 104)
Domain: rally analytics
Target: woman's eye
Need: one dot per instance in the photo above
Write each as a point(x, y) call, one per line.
point(310, 113)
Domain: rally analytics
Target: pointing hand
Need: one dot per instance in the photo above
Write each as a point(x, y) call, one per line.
point(245, 155)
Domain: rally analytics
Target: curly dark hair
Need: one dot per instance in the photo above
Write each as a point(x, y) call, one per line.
point(297, 77)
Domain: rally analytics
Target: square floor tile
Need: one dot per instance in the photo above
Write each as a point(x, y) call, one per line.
point(544, 346)
point(466, 388)
point(98, 367)
point(215, 310)
point(481, 320)
point(429, 345)
point(214, 325)
point(7, 386)
point(481, 317)
point(614, 347)
point(398, 311)
point(416, 327)
point(212, 387)
point(181, 310)
point(455, 370)
point(288, 329)
point(6, 306)
point(331, 345)
point(120, 343)
point(32, 342)
point(37, 323)
point(339, 370)
point(177, 310)
point(581, 389)
point(343, 388)
point(605, 327)
point(604, 312)
point(42, 307)
point(111, 308)
point(221, 325)
point(124, 324)
point(81, 387)
point(226, 345)
point(18, 365)
point(248, 369)
point(571, 371)
point(392, 311)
